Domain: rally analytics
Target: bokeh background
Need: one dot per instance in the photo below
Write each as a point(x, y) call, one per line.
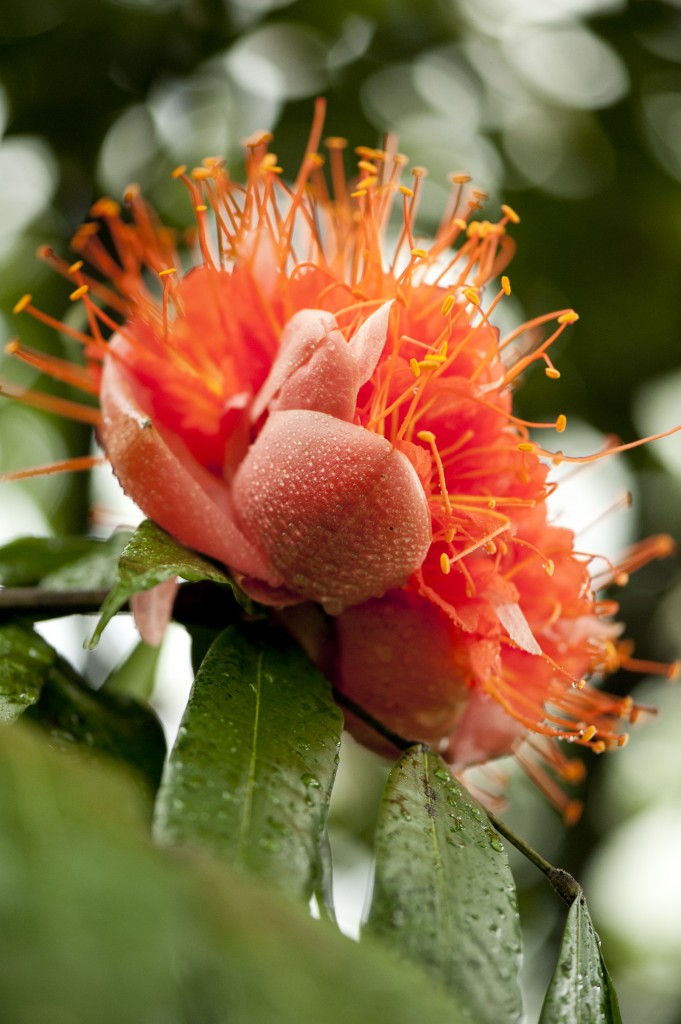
point(569, 110)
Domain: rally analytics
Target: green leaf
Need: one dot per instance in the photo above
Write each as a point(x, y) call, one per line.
point(26, 661)
point(137, 674)
point(94, 570)
point(29, 560)
point(443, 892)
point(106, 723)
point(97, 926)
point(150, 557)
point(251, 773)
point(580, 991)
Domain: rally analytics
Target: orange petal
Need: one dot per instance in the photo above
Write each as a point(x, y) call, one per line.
point(156, 471)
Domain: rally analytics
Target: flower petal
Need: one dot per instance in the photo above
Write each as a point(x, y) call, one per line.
point(317, 369)
point(402, 661)
point(516, 625)
point(153, 609)
point(338, 512)
point(314, 369)
point(484, 732)
point(368, 342)
point(156, 471)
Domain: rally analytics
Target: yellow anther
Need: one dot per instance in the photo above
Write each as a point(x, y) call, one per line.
point(472, 295)
point(426, 435)
point(258, 138)
point(598, 747)
point(79, 293)
point(419, 254)
point(552, 372)
point(574, 771)
point(360, 192)
point(366, 165)
point(445, 564)
point(179, 171)
point(450, 534)
point(623, 739)
point(419, 172)
point(204, 173)
point(167, 272)
point(589, 733)
point(366, 153)
point(626, 707)
point(491, 503)
point(415, 368)
point(75, 267)
point(315, 158)
point(106, 207)
point(549, 566)
point(200, 207)
point(460, 223)
point(368, 182)
point(12, 346)
point(572, 812)
point(460, 179)
point(568, 318)
point(526, 446)
point(446, 306)
point(408, 192)
point(22, 303)
point(444, 349)
point(473, 228)
point(509, 212)
point(506, 285)
point(433, 360)
point(621, 579)
point(335, 142)
point(561, 423)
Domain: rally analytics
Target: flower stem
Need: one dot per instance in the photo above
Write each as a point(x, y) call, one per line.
point(561, 881)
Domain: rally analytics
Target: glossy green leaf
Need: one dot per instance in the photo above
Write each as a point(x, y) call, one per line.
point(443, 892)
point(106, 723)
point(581, 991)
point(97, 926)
point(31, 560)
point(251, 773)
point(150, 557)
point(26, 661)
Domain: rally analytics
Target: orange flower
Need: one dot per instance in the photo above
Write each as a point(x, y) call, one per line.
point(336, 426)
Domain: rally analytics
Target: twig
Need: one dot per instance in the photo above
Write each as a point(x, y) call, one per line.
point(567, 887)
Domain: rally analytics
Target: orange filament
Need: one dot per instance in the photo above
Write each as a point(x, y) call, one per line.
point(82, 462)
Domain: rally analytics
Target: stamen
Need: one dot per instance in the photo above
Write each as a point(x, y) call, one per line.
point(59, 369)
point(51, 403)
point(74, 465)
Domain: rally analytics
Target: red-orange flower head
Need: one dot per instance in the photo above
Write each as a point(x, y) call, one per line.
point(336, 426)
